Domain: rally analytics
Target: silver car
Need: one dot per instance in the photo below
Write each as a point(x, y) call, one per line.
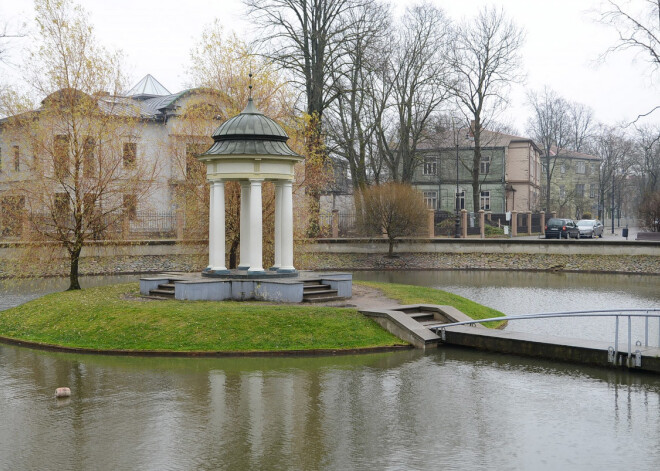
point(590, 228)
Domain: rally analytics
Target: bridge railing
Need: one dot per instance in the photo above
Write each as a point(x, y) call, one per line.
point(613, 352)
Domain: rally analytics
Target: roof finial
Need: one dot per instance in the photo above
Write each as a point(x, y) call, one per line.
point(250, 75)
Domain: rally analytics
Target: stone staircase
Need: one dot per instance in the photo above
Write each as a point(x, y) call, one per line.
point(316, 292)
point(164, 291)
point(424, 317)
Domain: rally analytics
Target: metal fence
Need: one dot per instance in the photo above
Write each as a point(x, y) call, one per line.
point(153, 223)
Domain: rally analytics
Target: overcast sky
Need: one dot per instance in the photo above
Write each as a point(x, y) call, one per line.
point(561, 50)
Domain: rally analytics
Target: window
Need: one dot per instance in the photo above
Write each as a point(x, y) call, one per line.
point(562, 168)
point(594, 167)
point(593, 189)
point(194, 166)
point(130, 154)
point(580, 167)
point(17, 159)
point(484, 202)
point(562, 191)
point(460, 200)
point(130, 206)
point(430, 166)
point(11, 212)
point(61, 156)
point(484, 165)
point(61, 206)
point(89, 165)
point(431, 199)
point(579, 190)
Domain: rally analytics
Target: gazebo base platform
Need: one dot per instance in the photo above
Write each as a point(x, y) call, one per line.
point(239, 285)
point(247, 275)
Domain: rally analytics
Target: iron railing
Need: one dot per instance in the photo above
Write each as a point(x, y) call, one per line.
point(613, 352)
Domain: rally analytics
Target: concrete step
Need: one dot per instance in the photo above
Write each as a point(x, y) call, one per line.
point(166, 286)
point(422, 316)
point(165, 293)
point(323, 299)
point(319, 293)
point(311, 282)
point(314, 287)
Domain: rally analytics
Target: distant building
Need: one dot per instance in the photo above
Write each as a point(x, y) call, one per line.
point(574, 184)
point(166, 135)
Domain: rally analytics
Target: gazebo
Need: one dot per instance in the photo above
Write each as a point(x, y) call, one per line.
point(251, 148)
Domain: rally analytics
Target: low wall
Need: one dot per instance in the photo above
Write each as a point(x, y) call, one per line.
point(494, 246)
point(354, 254)
point(104, 258)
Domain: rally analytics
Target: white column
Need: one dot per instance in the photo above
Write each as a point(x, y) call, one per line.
point(287, 228)
point(256, 255)
point(244, 262)
point(278, 226)
point(217, 227)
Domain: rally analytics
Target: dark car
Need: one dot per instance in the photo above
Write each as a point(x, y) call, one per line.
point(557, 228)
point(590, 228)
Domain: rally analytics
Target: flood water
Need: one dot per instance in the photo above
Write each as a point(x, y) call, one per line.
point(444, 409)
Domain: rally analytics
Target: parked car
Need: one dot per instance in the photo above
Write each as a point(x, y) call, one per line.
point(557, 228)
point(590, 228)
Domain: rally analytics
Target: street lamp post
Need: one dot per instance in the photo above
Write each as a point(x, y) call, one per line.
point(457, 228)
point(612, 202)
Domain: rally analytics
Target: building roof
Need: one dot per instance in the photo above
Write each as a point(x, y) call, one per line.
point(148, 87)
point(571, 154)
point(250, 133)
point(448, 138)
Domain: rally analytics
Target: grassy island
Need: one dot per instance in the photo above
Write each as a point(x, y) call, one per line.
point(117, 318)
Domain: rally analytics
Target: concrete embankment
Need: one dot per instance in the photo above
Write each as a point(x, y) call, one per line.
point(411, 323)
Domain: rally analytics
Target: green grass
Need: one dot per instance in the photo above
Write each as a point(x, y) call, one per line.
point(408, 294)
point(116, 318)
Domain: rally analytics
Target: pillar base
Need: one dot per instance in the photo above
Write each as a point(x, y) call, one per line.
point(274, 268)
point(286, 270)
point(243, 267)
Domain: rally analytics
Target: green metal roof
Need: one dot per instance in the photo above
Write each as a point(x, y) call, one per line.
point(250, 133)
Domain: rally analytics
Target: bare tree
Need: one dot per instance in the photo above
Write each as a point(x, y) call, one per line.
point(581, 122)
point(414, 86)
point(304, 37)
point(637, 24)
point(616, 151)
point(394, 209)
point(350, 121)
point(550, 127)
point(648, 142)
point(486, 61)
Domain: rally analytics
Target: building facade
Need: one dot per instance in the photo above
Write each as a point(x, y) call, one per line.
point(574, 186)
point(509, 174)
point(166, 133)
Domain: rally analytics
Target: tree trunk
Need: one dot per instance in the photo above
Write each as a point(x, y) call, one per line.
point(390, 254)
point(73, 272)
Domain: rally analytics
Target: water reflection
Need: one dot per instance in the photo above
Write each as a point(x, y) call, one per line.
point(403, 410)
point(448, 409)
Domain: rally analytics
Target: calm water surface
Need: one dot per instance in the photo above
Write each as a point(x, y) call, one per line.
point(528, 293)
point(445, 409)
